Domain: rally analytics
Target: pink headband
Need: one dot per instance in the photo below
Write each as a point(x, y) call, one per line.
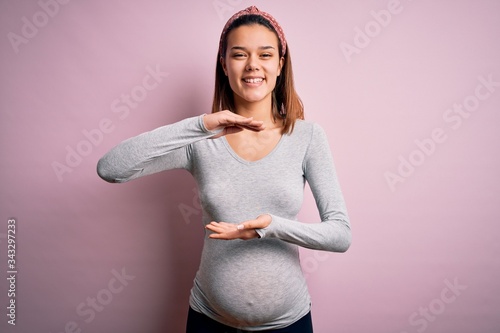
point(255, 11)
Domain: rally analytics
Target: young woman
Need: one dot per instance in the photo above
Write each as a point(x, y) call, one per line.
point(251, 158)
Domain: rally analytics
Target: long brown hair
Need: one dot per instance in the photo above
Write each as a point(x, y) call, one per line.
point(286, 103)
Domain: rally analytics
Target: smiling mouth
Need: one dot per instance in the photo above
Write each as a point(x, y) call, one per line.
point(254, 80)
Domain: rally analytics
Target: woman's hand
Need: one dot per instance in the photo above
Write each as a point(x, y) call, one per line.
point(244, 230)
point(230, 122)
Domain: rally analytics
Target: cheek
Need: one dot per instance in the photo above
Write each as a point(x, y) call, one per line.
point(232, 76)
point(234, 73)
point(273, 73)
point(273, 69)
point(232, 70)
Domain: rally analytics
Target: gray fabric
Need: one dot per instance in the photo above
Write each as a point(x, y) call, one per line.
point(256, 284)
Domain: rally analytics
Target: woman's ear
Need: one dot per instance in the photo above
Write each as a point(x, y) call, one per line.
point(280, 67)
point(223, 64)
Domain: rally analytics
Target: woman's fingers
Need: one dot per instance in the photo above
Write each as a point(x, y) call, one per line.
point(228, 231)
point(256, 126)
point(244, 230)
point(233, 119)
point(227, 119)
point(218, 227)
point(245, 235)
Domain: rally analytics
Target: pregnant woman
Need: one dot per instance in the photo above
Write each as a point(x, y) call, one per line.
point(250, 157)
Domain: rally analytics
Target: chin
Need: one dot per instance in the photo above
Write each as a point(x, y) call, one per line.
point(253, 98)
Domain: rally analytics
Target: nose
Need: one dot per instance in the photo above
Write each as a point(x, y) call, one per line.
point(252, 64)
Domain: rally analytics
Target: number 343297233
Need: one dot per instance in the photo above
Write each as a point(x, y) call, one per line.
point(11, 241)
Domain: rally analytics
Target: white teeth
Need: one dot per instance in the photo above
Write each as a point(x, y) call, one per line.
point(254, 80)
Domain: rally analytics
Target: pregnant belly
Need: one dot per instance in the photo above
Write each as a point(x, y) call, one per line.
point(251, 283)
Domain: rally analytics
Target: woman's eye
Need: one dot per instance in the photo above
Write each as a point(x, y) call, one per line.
point(266, 55)
point(238, 55)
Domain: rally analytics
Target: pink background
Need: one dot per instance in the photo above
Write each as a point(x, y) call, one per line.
point(435, 226)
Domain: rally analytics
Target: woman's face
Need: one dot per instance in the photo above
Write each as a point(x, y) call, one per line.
point(252, 63)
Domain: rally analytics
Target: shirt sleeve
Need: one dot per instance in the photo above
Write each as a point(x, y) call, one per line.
point(333, 233)
point(167, 147)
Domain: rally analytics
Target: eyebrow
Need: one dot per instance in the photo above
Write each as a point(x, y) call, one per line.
point(260, 48)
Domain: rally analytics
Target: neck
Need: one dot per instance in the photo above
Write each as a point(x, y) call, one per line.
point(261, 110)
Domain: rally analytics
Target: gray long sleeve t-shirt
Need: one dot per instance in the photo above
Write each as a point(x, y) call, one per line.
point(254, 284)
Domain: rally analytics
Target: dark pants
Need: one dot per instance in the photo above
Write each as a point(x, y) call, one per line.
point(199, 323)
